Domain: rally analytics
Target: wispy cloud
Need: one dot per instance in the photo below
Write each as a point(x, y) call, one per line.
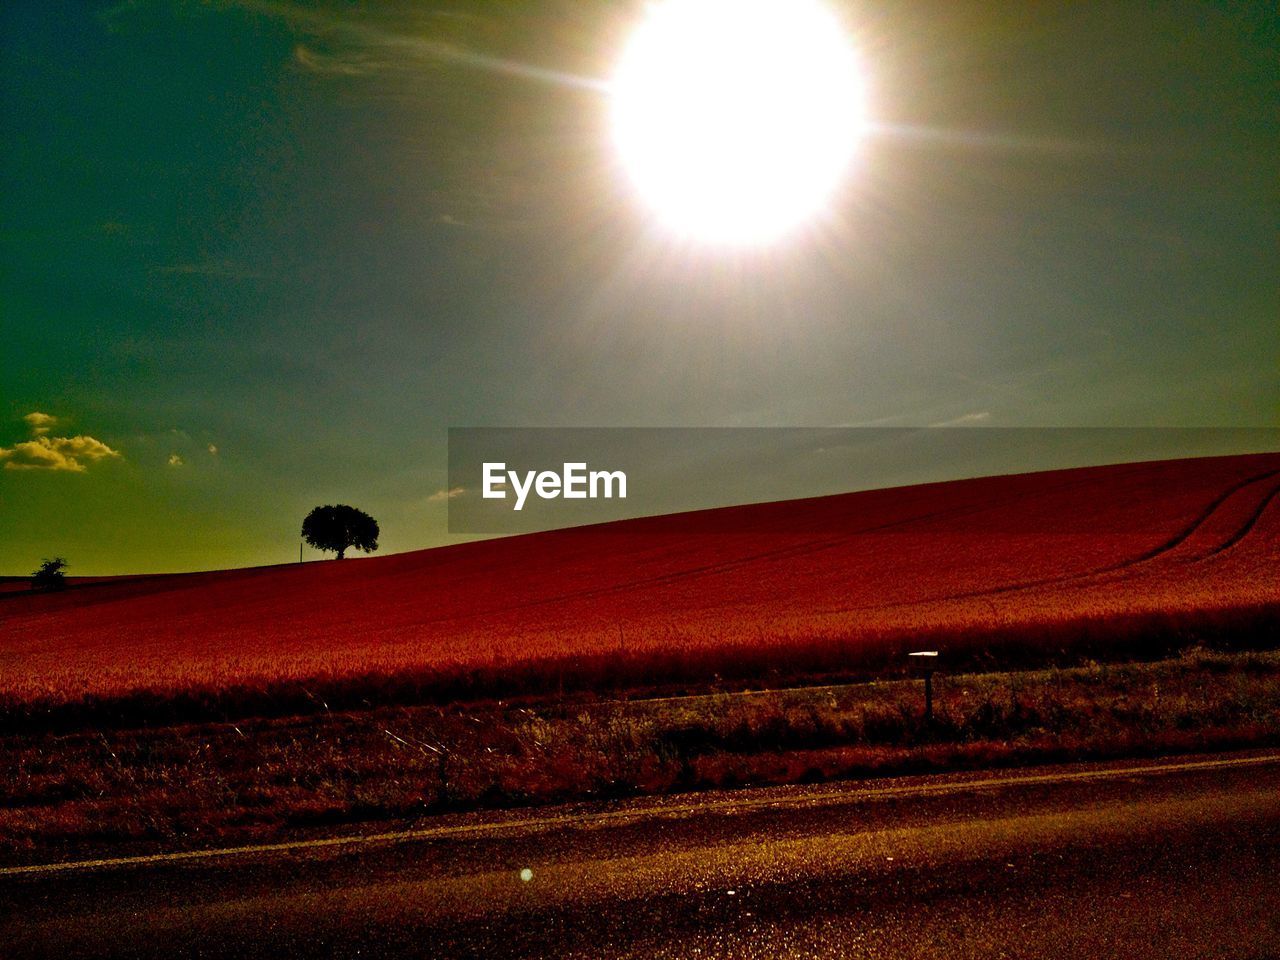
point(397, 45)
point(227, 269)
point(334, 65)
point(452, 493)
point(965, 419)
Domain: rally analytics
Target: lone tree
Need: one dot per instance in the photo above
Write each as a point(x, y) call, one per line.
point(50, 575)
point(338, 528)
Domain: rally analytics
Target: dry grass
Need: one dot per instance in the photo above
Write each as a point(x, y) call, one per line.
point(193, 785)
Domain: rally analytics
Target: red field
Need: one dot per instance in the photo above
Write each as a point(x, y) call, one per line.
point(1010, 567)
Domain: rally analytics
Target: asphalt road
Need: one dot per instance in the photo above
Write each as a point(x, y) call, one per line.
point(1165, 859)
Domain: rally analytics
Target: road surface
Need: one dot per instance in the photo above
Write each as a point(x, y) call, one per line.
point(1171, 858)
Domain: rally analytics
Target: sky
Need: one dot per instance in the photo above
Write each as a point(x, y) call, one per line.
point(258, 256)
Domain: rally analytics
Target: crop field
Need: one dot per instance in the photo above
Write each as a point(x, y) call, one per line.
point(1132, 560)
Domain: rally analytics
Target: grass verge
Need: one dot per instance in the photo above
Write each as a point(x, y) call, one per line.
point(93, 791)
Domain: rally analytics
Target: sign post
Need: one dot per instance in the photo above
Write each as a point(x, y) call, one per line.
point(924, 662)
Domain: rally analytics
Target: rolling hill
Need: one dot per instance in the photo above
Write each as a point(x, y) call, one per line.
point(1128, 558)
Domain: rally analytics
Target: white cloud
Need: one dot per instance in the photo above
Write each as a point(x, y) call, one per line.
point(450, 494)
point(70, 454)
point(40, 423)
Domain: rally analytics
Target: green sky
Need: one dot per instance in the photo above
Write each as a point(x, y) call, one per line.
point(288, 246)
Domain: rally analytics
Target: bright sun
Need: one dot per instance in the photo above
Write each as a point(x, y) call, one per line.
point(737, 119)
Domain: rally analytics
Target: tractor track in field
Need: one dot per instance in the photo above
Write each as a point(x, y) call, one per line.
point(1203, 519)
point(1166, 550)
point(1246, 528)
point(1163, 550)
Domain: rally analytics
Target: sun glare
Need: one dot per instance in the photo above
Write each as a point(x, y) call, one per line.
point(737, 119)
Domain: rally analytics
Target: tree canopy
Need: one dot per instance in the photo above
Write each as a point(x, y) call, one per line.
point(50, 575)
point(338, 528)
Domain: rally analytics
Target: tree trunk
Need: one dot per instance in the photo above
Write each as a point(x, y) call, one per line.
point(342, 553)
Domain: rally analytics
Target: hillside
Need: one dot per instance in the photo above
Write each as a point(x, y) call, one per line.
point(1034, 562)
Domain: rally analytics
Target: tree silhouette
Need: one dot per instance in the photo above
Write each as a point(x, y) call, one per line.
point(338, 528)
point(50, 575)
